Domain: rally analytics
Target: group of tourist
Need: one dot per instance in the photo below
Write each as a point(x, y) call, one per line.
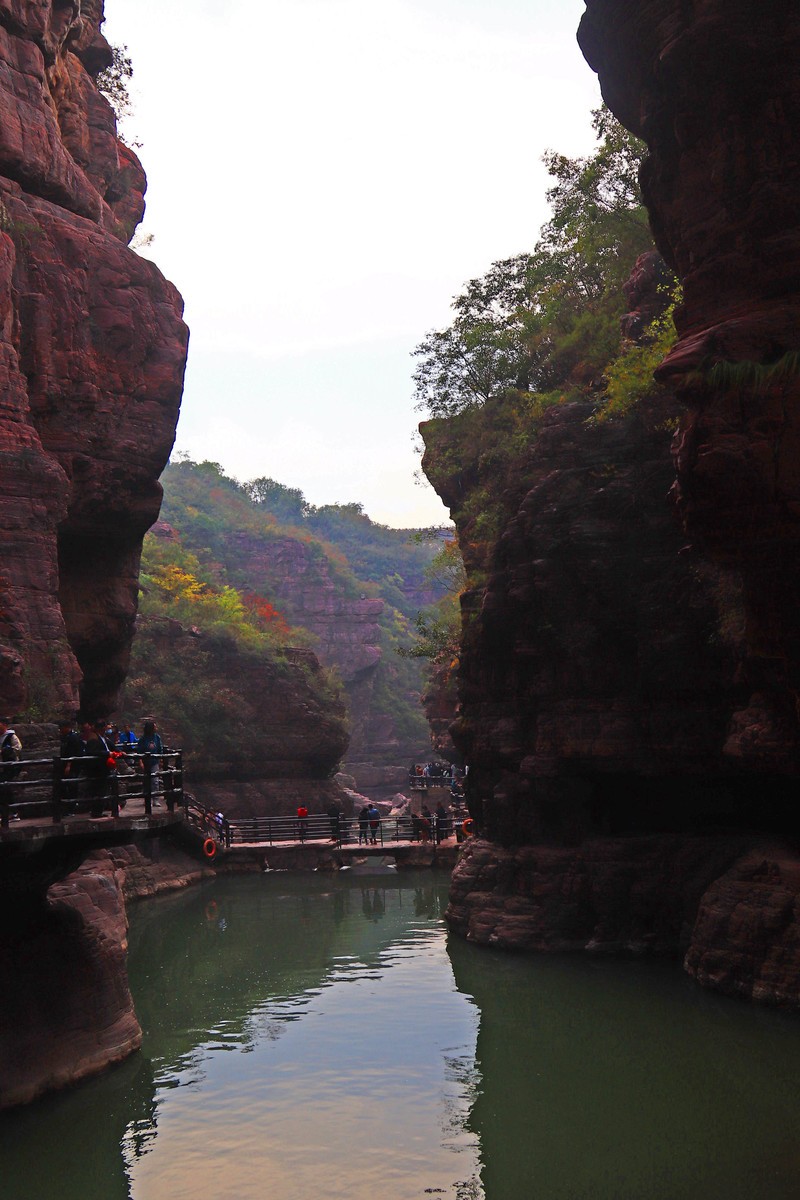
point(422, 826)
point(422, 776)
point(89, 757)
point(91, 752)
point(369, 819)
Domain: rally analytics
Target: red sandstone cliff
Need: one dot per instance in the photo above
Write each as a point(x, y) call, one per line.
point(67, 1010)
point(261, 734)
point(620, 675)
point(348, 636)
point(712, 88)
point(346, 626)
point(92, 354)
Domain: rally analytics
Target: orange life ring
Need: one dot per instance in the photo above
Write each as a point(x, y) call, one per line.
point(209, 847)
point(467, 827)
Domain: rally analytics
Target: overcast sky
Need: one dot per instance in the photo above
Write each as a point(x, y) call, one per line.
point(324, 176)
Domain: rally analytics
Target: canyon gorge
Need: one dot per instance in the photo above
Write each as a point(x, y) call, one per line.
point(628, 670)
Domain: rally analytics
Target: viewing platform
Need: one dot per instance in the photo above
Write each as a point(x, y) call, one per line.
point(44, 804)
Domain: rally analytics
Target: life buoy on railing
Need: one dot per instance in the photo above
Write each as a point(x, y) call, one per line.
point(468, 827)
point(211, 910)
point(209, 847)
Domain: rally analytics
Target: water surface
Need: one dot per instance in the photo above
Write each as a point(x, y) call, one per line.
point(315, 1037)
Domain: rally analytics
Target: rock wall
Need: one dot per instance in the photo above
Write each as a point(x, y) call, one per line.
point(596, 679)
point(67, 1010)
point(630, 660)
point(347, 627)
point(307, 589)
point(260, 735)
point(712, 88)
point(92, 354)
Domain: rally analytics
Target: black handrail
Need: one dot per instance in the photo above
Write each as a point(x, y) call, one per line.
point(48, 786)
point(344, 831)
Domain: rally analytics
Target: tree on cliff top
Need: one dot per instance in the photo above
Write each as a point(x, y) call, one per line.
point(537, 320)
point(114, 82)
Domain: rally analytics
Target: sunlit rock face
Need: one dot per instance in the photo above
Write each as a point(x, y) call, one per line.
point(92, 354)
point(345, 626)
point(713, 88)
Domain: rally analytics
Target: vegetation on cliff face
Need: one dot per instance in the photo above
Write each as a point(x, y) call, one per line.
point(547, 320)
point(199, 645)
point(540, 329)
point(113, 82)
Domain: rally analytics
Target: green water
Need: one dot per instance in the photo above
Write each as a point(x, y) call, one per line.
point(310, 1038)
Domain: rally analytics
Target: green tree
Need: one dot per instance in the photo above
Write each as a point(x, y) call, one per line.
point(285, 503)
point(114, 82)
point(438, 627)
point(546, 318)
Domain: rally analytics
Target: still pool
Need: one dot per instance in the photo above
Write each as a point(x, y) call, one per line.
point(310, 1038)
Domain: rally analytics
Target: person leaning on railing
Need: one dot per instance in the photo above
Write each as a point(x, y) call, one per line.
point(150, 743)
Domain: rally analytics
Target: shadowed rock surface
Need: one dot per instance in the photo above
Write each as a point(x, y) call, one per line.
point(712, 88)
point(630, 662)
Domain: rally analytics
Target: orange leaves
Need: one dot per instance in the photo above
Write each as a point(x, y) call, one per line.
point(264, 613)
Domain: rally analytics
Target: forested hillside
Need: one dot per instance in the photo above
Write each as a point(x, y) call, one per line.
point(256, 567)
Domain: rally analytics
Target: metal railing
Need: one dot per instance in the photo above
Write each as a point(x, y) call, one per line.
point(342, 831)
point(208, 823)
point(440, 783)
point(48, 790)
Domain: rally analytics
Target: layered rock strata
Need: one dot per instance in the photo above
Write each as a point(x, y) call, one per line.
point(727, 906)
point(67, 1010)
point(346, 626)
point(618, 677)
point(306, 587)
point(92, 354)
point(596, 681)
point(262, 735)
point(712, 88)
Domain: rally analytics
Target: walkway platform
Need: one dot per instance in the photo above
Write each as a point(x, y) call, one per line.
point(327, 856)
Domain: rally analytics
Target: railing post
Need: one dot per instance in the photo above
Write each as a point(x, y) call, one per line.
point(179, 768)
point(56, 790)
point(147, 786)
point(169, 787)
point(5, 805)
point(114, 781)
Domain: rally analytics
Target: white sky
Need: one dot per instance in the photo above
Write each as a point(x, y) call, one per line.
point(324, 176)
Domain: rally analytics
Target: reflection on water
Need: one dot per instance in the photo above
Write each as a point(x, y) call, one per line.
point(311, 1028)
point(311, 1037)
point(609, 1080)
point(302, 1037)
